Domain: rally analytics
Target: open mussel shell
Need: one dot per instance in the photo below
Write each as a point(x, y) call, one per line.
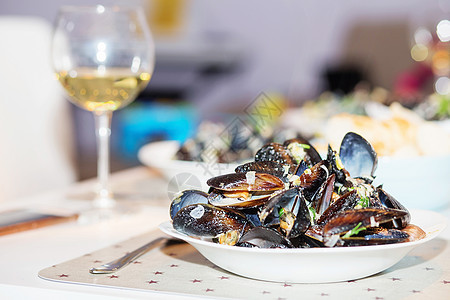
point(312, 179)
point(205, 220)
point(250, 181)
point(388, 201)
point(301, 150)
point(349, 219)
point(287, 210)
point(324, 196)
point(376, 236)
point(358, 156)
point(346, 202)
point(237, 199)
point(262, 237)
point(186, 198)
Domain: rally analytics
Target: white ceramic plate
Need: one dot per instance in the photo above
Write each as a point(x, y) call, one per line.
point(315, 265)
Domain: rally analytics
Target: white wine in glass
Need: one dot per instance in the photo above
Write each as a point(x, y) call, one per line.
point(103, 56)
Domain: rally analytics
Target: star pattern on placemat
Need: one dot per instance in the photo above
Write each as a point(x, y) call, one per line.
point(152, 281)
point(209, 280)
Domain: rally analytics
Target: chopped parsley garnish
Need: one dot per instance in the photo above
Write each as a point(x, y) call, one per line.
point(354, 231)
point(312, 213)
point(364, 202)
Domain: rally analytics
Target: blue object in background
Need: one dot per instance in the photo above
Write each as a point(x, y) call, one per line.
point(145, 122)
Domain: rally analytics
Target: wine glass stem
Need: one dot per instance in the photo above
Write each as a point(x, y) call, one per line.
point(104, 197)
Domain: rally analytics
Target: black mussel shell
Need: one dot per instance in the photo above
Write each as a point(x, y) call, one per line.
point(250, 181)
point(306, 241)
point(358, 156)
point(376, 236)
point(312, 179)
point(323, 198)
point(289, 211)
point(277, 153)
point(186, 198)
point(269, 167)
point(388, 201)
point(205, 220)
point(349, 219)
point(238, 199)
point(262, 237)
point(301, 168)
point(301, 150)
point(340, 172)
point(346, 202)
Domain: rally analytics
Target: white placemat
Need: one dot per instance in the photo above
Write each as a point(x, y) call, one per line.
point(179, 268)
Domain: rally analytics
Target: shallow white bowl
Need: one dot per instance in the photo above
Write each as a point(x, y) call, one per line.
point(315, 265)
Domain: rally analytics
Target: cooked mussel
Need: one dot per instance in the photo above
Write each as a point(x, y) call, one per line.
point(205, 220)
point(261, 237)
point(388, 201)
point(269, 167)
point(301, 150)
point(288, 211)
point(186, 198)
point(356, 219)
point(238, 199)
point(375, 236)
point(249, 181)
point(278, 153)
point(312, 179)
point(358, 156)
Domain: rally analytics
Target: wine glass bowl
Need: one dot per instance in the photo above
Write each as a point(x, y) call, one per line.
point(103, 57)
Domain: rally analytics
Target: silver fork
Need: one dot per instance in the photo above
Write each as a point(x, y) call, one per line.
point(125, 260)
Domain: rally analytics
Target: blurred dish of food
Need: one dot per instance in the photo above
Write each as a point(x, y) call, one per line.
point(393, 131)
point(161, 156)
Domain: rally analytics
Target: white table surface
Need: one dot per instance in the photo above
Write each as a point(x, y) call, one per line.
point(23, 255)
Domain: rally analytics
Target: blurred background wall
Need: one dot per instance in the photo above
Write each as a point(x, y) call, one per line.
point(219, 55)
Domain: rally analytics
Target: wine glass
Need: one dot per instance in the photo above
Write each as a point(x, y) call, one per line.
point(103, 57)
